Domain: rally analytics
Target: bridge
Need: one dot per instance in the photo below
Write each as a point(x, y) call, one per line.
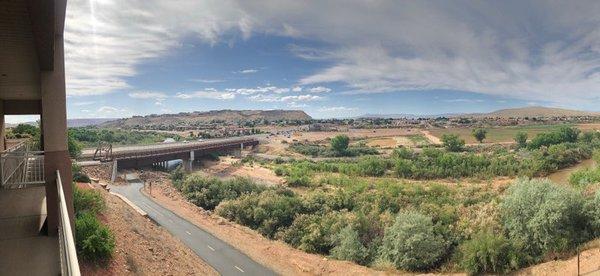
point(129, 157)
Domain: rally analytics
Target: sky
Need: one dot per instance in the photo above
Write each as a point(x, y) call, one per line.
point(330, 58)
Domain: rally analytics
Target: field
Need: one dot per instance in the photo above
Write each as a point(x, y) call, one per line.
point(501, 134)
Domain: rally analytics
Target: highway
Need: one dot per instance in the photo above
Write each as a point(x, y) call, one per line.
point(224, 258)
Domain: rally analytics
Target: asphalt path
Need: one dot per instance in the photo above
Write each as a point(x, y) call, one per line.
point(224, 258)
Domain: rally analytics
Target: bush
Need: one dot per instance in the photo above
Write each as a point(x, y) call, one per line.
point(371, 166)
point(584, 177)
point(348, 246)
point(563, 135)
point(209, 192)
point(521, 139)
point(453, 143)
point(177, 177)
point(78, 175)
point(488, 253)
point(94, 241)
point(87, 201)
point(593, 209)
point(411, 243)
point(298, 177)
point(340, 143)
point(267, 212)
point(479, 134)
point(540, 217)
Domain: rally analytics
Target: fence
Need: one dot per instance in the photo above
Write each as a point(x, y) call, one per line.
point(20, 168)
point(69, 265)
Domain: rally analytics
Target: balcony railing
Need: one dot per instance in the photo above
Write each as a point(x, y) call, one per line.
point(20, 169)
point(69, 265)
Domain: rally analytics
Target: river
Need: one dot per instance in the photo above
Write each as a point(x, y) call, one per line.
point(562, 176)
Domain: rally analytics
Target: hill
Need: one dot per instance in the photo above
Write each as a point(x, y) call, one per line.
point(530, 111)
point(87, 122)
point(536, 111)
point(198, 118)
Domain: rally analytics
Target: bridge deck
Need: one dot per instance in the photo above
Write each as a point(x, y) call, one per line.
point(127, 152)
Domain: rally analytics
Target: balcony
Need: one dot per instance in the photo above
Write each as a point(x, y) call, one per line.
point(25, 246)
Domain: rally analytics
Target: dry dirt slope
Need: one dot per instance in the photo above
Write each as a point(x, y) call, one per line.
point(194, 118)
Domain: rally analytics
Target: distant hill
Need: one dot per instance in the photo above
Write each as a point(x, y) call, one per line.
point(195, 118)
point(87, 122)
point(530, 111)
point(536, 111)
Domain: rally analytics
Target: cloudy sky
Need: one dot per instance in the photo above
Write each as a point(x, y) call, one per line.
point(330, 58)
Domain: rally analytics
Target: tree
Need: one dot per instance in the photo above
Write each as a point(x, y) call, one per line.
point(22, 130)
point(411, 243)
point(73, 146)
point(340, 143)
point(479, 134)
point(348, 246)
point(452, 142)
point(521, 139)
point(541, 217)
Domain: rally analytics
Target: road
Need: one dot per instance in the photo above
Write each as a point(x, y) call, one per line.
point(221, 256)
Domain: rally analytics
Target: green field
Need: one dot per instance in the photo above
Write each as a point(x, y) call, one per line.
point(497, 134)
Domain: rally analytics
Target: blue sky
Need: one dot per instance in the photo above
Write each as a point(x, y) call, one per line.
point(330, 58)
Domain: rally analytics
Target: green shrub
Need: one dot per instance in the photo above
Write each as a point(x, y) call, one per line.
point(371, 166)
point(298, 177)
point(541, 217)
point(94, 241)
point(209, 192)
point(563, 135)
point(411, 243)
point(279, 171)
point(348, 246)
point(340, 143)
point(453, 143)
point(584, 177)
point(488, 253)
point(88, 201)
point(521, 139)
point(267, 212)
point(593, 210)
point(78, 175)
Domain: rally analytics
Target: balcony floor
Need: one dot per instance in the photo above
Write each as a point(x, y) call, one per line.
point(23, 249)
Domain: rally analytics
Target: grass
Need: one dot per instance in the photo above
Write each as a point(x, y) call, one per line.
point(496, 134)
point(419, 140)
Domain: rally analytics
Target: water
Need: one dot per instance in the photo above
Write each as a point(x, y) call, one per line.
point(562, 176)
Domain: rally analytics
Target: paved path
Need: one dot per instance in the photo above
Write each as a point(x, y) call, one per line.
point(221, 256)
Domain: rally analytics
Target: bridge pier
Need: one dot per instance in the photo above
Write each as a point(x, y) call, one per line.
point(188, 162)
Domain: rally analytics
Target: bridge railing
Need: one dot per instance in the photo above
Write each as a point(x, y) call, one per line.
point(178, 148)
point(69, 265)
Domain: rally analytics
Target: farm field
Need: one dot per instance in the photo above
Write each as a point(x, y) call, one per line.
point(504, 134)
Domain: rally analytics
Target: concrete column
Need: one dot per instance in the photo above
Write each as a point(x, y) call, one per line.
point(2, 131)
point(54, 128)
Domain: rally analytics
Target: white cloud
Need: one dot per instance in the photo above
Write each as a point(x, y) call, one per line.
point(319, 89)
point(337, 109)
point(83, 103)
point(507, 48)
point(148, 95)
point(206, 80)
point(277, 98)
point(207, 94)
point(297, 89)
point(112, 112)
point(248, 71)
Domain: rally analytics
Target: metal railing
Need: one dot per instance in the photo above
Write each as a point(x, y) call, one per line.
point(22, 168)
point(69, 265)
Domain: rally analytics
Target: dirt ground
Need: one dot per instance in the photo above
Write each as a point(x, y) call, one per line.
point(277, 255)
point(226, 167)
point(589, 264)
point(143, 248)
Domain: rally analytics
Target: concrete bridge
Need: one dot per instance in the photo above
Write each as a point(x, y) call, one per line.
point(129, 157)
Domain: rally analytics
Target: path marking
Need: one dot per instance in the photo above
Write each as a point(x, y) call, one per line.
point(238, 268)
point(188, 232)
point(210, 247)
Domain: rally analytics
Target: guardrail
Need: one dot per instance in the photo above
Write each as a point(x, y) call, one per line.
point(69, 265)
point(148, 151)
point(22, 168)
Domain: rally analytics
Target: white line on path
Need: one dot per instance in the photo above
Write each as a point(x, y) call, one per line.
point(238, 268)
point(210, 247)
point(188, 232)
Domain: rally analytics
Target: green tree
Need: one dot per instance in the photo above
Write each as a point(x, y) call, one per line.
point(411, 243)
point(26, 130)
point(541, 217)
point(521, 139)
point(479, 134)
point(348, 246)
point(340, 143)
point(73, 146)
point(452, 142)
